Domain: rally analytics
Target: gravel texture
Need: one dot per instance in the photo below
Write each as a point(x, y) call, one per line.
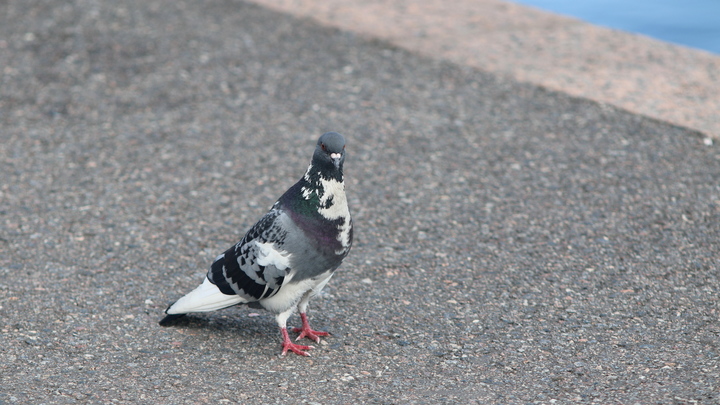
point(513, 245)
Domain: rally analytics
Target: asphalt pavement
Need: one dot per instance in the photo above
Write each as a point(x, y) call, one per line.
point(513, 245)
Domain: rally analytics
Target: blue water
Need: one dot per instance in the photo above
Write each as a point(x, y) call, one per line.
point(693, 23)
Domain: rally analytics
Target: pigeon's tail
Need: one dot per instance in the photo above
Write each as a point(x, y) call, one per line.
point(207, 297)
point(168, 320)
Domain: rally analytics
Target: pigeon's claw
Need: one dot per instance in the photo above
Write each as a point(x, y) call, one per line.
point(307, 332)
point(310, 334)
point(288, 345)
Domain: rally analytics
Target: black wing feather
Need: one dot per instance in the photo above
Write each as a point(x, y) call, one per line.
point(237, 272)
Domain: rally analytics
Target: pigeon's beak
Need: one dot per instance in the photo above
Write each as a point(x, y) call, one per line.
point(336, 158)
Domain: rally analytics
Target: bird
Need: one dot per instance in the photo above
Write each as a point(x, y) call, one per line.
point(289, 255)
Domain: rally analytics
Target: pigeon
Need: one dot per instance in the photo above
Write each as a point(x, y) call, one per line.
point(289, 255)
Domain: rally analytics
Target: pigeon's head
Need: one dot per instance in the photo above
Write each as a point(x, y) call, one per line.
point(330, 150)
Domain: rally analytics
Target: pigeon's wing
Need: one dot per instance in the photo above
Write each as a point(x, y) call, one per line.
point(256, 267)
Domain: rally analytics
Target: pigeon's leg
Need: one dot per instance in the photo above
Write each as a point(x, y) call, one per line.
point(306, 330)
point(287, 344)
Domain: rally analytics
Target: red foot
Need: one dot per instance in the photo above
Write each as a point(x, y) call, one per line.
point(307, 332)
point(295, 348)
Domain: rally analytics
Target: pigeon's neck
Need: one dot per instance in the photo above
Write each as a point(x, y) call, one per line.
point(326, 190)
point(319, 193)
point(317, 204)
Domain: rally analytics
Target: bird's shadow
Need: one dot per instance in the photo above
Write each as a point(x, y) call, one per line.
point(236, 323)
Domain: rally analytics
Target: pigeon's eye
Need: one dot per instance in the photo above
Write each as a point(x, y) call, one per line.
point(322, 145)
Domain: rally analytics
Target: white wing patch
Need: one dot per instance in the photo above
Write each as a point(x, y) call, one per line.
point(268, 255)
point(207, 297)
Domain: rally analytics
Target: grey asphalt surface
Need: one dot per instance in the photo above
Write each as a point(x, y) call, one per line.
point(513, 245)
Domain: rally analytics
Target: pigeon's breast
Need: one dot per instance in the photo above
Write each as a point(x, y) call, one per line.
point(315, 245)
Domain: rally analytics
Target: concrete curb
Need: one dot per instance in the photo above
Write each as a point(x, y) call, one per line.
point(668, 82)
